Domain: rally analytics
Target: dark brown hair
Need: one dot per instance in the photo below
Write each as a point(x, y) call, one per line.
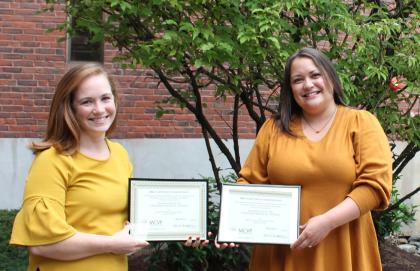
point(63, 130)
point(288, 108)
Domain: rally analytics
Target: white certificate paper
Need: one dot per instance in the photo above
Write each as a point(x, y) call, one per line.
point(259, 214)
point(168, 210)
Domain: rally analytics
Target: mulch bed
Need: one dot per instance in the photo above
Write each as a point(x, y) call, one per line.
point(395, 259)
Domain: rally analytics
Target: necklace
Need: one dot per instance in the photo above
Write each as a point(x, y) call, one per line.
point(317, 131)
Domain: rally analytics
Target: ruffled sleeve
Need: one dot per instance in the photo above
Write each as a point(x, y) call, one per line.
point(373, 184)
point(42, 218)
point(255, 168)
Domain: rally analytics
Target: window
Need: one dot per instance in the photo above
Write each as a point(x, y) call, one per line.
point(81, 48)
point(80, 44)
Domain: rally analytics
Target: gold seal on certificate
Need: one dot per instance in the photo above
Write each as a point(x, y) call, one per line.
point(168, 209)
point(259, 214)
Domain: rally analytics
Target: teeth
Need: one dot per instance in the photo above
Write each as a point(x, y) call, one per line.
point(311, 93)
point(98, 119)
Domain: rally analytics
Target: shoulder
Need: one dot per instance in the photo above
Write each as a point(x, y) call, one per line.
point(268, 130)
point(270, 125)
point(51, 155)
point(359, 116)
point(116, 148)
point(354, 113)
point(50, 160)
point(361, 122)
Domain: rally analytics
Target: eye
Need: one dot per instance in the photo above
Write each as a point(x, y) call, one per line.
point(316, 75)
point(296, 80)
point(86, 102)
point(106, 98)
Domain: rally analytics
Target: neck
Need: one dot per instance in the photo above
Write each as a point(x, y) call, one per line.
point(95, 147)
point(318, 123)
point(320, 116)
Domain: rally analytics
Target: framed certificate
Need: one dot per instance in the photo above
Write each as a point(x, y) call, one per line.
point(167, 209)
point(259, 214)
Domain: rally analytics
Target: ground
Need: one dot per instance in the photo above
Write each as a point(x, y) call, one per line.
point(395, 259)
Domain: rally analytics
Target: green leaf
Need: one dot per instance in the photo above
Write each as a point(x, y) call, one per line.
point(206, 47)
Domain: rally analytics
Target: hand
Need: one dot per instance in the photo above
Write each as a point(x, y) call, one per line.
point(196, 242)
point(123, 243)
point(224, 245)
point(313, 232)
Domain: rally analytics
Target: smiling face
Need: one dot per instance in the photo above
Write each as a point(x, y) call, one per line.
point(310, 89)
point(94, 106)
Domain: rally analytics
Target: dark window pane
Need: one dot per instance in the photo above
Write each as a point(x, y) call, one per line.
point(82, 49)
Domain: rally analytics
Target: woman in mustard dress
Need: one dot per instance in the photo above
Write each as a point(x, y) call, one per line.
point(341, 158)
point(74, 210)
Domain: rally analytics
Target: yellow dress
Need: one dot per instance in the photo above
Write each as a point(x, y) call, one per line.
point(69, 193)
point(352, 160)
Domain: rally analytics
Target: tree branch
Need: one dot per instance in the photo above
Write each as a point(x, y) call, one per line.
point(405, 156)
point(235, 134)
point(211, 159)
point(401, 200)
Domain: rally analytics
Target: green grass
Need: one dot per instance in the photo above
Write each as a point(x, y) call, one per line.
point(12, 258)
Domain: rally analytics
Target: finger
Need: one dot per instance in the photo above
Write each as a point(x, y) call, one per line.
point(142, 244)
point(216, 244)
point(220, 246)
point(305, 244)
point(297, 243)
point(127, 228)
point(188, 243)
point(300, 242)
point(196, 242)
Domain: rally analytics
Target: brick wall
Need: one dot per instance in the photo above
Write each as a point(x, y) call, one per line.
point(32, 62)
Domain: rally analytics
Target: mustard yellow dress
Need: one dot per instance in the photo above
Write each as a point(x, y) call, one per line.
point(65, 194)
point(352, 160)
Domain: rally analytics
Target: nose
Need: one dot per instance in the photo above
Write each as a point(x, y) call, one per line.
point(98, 108)
point(308, 83)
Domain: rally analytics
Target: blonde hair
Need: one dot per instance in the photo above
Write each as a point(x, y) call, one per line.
point(63, 129)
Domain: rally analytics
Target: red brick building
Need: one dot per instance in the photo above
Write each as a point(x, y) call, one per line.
point(32, 61)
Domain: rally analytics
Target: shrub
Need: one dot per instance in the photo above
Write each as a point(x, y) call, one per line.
point(389, 222)
point(11, 258)
point(175, 256)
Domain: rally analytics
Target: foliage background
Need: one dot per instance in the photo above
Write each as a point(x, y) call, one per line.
point(11, 258)
point(240, 48)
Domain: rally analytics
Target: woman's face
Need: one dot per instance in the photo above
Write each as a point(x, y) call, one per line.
point(311, 91)
point(94, 105)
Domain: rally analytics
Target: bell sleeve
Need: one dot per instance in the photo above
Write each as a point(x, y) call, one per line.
point(254, 169)
point(373, 184)
point(42, 218)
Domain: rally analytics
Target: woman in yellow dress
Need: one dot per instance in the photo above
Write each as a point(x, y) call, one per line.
point(74, 212)
point(341, 158)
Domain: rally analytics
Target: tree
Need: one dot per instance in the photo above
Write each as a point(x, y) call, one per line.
point(241, 47)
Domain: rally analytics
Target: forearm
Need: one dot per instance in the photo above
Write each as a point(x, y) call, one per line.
point(343, 213)
point(80, 245)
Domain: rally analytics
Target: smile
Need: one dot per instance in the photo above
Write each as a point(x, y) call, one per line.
point(98, 119)
point(312, 93)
